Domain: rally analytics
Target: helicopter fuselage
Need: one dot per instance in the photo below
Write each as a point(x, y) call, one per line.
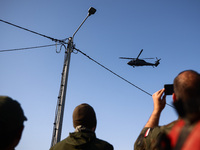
point(141, 62)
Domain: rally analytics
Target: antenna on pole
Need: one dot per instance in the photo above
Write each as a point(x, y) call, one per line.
point(63, 86)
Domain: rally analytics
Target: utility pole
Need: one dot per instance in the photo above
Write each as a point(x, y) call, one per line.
point(57, 129)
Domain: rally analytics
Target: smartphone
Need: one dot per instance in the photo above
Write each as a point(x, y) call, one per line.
point(169, 89)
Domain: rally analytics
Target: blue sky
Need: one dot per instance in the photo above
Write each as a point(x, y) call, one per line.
point(169, 30)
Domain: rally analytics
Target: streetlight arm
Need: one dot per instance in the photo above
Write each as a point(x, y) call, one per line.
point(80, 26)
point(91, 11)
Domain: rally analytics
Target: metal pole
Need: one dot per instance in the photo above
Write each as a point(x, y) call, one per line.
point(61, 98)
point(63, 87)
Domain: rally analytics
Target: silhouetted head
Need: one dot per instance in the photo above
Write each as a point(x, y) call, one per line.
point(11, 122)
point(84, 115)
point(187, 91)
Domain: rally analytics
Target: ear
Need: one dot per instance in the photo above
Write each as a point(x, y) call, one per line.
point(93, 129)
point(174, 97)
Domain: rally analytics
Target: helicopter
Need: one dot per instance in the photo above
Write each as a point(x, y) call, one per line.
point(141, 62)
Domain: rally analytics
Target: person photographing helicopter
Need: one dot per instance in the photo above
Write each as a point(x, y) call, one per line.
point(185, 133)
point(151, 131)
point(179, 134)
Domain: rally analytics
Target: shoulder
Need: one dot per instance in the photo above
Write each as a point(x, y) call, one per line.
point(59, 145)
point(148, 136)
point(103, 144)
point(167, 128)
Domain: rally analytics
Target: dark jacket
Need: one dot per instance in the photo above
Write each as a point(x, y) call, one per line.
point(84, 140)
point(148, 139)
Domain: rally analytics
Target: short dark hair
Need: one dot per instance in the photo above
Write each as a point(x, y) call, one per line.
point(187, 85)
point(84, 115)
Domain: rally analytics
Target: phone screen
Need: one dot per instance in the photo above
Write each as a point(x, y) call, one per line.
point(169, 89)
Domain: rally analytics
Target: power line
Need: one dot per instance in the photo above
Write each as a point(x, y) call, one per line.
point(55, 40)
point(112, 72)
point(18, 49)
point(116, 74)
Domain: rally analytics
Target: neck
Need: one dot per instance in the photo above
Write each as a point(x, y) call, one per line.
point(82, 128)
point(193, 118)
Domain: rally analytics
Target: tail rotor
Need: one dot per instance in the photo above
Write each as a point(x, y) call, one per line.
point(157, 62)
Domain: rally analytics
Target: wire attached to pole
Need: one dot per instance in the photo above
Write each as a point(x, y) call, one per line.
point(26, 48)
point(53, 39)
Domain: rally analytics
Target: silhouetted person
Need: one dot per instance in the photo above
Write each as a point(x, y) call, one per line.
point(84, 138)
point(185, 133)
point(11, 123)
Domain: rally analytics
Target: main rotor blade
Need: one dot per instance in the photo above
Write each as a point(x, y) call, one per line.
point(133, 58)
point(139, 53)
point(147, 58)
point(126, 58)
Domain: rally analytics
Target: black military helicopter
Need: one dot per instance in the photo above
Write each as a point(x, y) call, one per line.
point(141, 62)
